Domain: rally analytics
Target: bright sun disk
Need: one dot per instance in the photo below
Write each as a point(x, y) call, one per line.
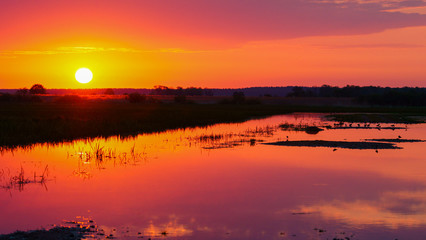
point(83, 75)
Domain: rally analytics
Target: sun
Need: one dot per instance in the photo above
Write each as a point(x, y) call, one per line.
point(83, 75)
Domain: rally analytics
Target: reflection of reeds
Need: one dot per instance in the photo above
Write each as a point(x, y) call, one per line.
point(249, 136)
point(20, 180)
point(210, 137)
point(98, 156)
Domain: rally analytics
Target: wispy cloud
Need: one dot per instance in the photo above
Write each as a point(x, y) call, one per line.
point(384, 45)
point(383, 4)
point(393, 210)
point(65, 50)
point(80, 50)
point(418, 10)
point(186, 23)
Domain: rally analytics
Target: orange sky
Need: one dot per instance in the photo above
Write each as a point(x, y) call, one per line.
point(222, 43)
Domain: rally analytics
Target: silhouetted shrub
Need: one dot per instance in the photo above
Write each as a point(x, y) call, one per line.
point(136, 98)
point(37, 89)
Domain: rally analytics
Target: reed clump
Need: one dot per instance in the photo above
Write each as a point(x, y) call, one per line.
point(21, 179)
point(99, 156)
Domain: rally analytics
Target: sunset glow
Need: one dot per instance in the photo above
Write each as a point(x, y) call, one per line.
point(212, 119)
point(214, 43)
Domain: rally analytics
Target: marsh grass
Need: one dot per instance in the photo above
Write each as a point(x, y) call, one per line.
point(19, 180)
point(28, 123)
point(249, 136)
point(81, 228)
point(97, 157)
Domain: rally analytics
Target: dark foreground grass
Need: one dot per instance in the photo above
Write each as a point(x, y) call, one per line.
point(62, 233)
point(22, 124)
point(28, 123)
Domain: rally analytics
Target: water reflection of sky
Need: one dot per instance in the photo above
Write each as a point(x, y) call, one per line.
point(171, 183)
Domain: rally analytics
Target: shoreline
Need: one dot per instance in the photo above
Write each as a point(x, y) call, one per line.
point(30, 123)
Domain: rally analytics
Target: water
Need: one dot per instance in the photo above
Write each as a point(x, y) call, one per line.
point(221, 182)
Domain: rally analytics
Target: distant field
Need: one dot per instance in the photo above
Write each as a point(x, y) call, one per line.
point(217, 99)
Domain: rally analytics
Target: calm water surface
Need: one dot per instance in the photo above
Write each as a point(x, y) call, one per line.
point(221, 182)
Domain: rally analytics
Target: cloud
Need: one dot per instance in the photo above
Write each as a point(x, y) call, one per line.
point(184, 23)
point(418, 10)
point(380, 4)
point(382, 45)
point(64, 50)
point(79, 50)
point(252, 20)
point(392, 210)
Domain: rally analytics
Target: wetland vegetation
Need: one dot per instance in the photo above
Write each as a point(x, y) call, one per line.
point(27, 123)
point(154, 177)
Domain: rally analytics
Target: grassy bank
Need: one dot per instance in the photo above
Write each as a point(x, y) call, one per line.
point(27, 123)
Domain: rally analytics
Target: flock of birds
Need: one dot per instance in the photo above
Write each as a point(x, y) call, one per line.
point(358, 125)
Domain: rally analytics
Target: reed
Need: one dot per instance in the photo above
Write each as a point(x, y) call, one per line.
point(21, 179)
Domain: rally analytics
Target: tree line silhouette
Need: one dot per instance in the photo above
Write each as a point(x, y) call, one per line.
point(179, 91)
point(406, 96)
point(370, 95)
point(25, 94)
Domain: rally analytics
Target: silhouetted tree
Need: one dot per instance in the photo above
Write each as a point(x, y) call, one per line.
point(179, 91)
point(162, 90)
point(37, 89)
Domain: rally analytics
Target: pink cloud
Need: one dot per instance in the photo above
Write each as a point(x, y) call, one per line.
point(234, 21)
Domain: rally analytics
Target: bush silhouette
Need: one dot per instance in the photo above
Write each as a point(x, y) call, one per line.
point(37, 89)
point(136, 98)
